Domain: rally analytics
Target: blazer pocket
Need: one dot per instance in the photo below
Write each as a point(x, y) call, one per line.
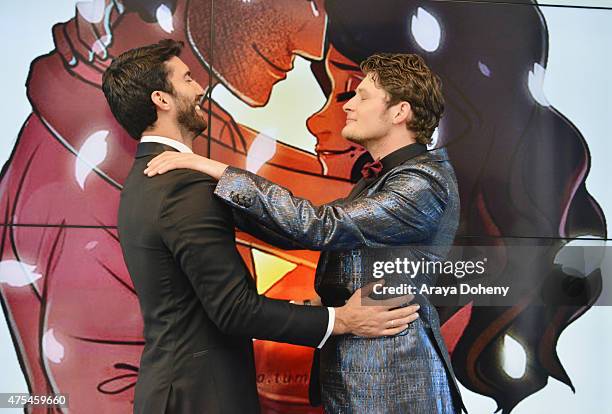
point(200, 353)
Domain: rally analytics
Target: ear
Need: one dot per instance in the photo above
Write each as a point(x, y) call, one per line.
point(401, 112)
point(161, 100)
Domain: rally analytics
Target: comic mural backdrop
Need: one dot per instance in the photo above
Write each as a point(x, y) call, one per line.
point(76, 324)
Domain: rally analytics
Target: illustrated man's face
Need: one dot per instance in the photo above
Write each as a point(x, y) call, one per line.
point(367, 115)
point(256, 41)
point(186, 97)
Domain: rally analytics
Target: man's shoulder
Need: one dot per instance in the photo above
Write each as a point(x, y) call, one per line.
point(169, 180)
point(181, 185)
point(185, 176)
point(430, 157)
point(139, 188)
point(430, 169)
point(431, 162)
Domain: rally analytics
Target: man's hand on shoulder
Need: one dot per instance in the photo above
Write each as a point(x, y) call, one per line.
point(172, 160)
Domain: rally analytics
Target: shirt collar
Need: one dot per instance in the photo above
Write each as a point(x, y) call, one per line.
point(401, 155)
point(179, 146)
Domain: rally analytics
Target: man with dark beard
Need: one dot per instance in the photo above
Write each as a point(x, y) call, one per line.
point(60, 189)
point(200, 305)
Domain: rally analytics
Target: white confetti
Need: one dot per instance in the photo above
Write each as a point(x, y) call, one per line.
point(92, 11)
point(314, 9)
point(261, 151)
point(484, 69)
point(52, 349)
point(514, 358)
point(164, 18)
point(434, 139)
point(17, 274)
point(99, 47)
point(536, 84)
point(426, 30)
point(91, 245)
point(581, 257)
point(91, 154)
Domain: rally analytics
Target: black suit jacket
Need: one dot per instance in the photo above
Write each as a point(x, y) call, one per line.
point(199, 302)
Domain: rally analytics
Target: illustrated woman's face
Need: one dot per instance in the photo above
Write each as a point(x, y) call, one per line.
point(336, 153)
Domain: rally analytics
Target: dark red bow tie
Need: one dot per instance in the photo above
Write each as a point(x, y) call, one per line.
point(371, 169)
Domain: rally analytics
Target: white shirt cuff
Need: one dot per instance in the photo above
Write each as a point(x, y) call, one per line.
point(330, 326)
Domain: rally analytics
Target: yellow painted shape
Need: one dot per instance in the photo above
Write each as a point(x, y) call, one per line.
point(269, 269)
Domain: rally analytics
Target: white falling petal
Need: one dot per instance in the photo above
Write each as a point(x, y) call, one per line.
point(536, 84)
point(99, 46)
point(484, 69)
point(92, 11)
point(434, 139)
point(514, 358)
point(52, 349)
point(17, 274)
point(581, 257)
point(261, 151)
point(426, 30)
point(314, 9)
point(91, 245)
point(91, 154)
point(164, 18)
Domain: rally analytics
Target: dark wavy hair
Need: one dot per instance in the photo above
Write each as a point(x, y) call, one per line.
point(130, 80)
point(521, 167)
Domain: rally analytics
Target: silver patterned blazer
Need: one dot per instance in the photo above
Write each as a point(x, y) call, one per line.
point(412, 203)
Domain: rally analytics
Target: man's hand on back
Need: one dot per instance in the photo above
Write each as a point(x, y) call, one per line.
point(368, 318)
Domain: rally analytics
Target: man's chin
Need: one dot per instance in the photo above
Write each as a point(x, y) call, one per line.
point(202, 129)
point(199, 122)
point(352, 137)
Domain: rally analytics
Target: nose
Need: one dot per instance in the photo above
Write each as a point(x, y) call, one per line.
point(199, 89)
point(348, 106)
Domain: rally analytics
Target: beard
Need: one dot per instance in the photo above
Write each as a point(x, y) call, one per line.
point(188, 117)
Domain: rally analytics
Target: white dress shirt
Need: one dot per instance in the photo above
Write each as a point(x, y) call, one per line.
point(179, 146)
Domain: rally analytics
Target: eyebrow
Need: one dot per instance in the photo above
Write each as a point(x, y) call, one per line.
point(345, 66)
point(361, 91)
